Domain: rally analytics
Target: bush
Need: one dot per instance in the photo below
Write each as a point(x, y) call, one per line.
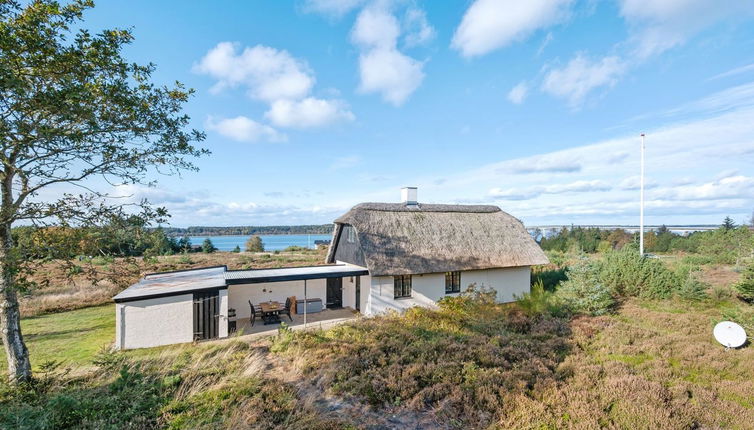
point(539, 302)
point(629, 274)
point(208, 247)
point(237, 249)
point(254, 244)
point(745, 287)
point(550, 278)
point(693, 289)
point(583, 292)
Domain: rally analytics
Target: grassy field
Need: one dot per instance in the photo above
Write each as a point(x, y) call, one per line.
point(73, 337)
point(59, 288)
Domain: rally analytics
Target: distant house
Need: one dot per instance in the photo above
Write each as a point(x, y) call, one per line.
point(383, 256)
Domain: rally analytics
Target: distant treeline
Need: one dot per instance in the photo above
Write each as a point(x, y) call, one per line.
point(728, 244)
point(248, 230)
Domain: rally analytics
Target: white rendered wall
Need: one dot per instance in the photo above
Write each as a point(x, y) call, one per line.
point(427, 289)
point(239, 295)
point(155, 322)
point(222, 321)
point(366, 283)
point(349, 292)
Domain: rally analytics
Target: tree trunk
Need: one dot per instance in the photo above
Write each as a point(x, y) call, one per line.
point(19, 367)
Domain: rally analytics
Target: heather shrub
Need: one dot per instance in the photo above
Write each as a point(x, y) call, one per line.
point(584, 293)
point(462, 360)
point(745, 287)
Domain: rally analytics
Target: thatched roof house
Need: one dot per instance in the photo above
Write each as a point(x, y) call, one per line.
point(401, 239)
point(384, 257)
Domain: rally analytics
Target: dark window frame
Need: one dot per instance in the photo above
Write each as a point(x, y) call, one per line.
point(452, 282)
point(402, 287)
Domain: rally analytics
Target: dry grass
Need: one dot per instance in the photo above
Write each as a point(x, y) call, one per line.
point(57, 290)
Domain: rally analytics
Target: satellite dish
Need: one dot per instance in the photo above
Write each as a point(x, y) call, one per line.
point(729, 334)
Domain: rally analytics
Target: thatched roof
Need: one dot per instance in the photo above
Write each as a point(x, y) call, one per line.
point(397, 239)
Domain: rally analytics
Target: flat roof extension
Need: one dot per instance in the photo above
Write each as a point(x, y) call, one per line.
point(155, 285)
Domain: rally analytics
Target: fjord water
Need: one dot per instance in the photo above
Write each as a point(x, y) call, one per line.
point(272, 242)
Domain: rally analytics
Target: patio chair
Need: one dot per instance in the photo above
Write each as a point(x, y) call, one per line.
point(287, 309)
point(253, 316)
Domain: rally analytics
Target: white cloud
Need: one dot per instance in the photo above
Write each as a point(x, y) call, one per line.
point(417, 28)
point(658, 25)
point(733, 72)
point(307, 113)
point(582, 75)
point(243, 129)
point(583, 186)
point(269, 74)
point(732, 187)
point(390, 73)
point(491, 24)
point(634, 183)
point(549, 163)
point(518, 94)
point(655, 26)
point(376, 28)
point(383, 68)
point(275, 77)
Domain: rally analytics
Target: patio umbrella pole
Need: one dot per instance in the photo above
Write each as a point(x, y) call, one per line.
point(305, 303)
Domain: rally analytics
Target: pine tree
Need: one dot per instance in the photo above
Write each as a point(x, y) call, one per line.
point(208, 247)
point(728, 224)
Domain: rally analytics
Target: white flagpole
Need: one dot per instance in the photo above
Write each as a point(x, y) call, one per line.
point(641, 198)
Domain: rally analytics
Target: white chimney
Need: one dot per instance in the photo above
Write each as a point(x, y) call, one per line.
point(408, 196)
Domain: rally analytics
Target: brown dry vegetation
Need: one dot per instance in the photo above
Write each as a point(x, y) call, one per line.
point(652, 365)
point(61, 288)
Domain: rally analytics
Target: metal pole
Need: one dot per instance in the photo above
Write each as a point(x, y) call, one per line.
point(306, 303)
point(641, 198)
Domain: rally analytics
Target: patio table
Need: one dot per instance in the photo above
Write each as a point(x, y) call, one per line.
point(270, 312)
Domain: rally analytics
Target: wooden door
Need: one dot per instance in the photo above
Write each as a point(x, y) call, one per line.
point(334, 297)
point(206, 315)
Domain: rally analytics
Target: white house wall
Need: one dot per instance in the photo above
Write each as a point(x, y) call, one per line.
point(428, 288)
point(154, 322)
point(222, 323)
point(366, 283)
point(240, 294)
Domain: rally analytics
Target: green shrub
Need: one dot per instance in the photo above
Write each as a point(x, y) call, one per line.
point(539, 302)
point(745, 287)
point(693, 289)
point(550, 278)
point(720, 293)
point(629, 274)
point(583, 292)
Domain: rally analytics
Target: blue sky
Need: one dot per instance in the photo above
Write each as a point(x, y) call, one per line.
point(312, 106)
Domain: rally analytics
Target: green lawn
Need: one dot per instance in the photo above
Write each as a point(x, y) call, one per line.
point(71, 337)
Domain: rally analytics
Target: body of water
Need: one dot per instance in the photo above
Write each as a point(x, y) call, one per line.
point(272, 242)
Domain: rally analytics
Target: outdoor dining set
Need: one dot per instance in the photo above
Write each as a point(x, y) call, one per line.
point(270, 311)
